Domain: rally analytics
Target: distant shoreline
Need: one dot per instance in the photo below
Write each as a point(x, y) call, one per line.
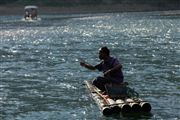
point(19, 10)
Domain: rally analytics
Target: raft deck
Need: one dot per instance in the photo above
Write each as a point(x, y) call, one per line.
point(108, 104)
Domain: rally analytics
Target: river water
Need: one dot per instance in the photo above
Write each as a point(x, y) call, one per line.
point(40, 75)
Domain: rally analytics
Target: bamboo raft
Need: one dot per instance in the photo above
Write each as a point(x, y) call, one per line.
point(110, 104)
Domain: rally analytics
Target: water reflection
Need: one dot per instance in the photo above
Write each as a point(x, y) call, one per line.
point(41, 77)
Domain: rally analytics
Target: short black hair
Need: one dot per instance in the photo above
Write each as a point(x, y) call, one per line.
point(105, 50)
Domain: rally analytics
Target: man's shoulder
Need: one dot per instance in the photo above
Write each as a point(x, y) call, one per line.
point(113, 59)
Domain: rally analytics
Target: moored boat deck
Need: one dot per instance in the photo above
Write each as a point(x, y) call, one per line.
point(109, 105)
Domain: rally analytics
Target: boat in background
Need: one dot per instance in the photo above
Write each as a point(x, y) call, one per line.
point(118, 99)
point(31, 13)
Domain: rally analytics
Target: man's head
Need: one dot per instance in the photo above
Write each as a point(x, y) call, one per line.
point(103, 53)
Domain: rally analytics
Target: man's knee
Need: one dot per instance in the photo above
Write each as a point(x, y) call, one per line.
point(95, 81)
point(98, 80)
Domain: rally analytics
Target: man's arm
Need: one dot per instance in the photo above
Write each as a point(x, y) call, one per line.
point(118, 66)
point(108, 72)
point(90, 67)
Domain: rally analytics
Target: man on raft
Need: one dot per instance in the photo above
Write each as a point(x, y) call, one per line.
point(111, 68)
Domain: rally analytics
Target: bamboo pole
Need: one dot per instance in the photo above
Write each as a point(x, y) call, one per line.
point(110, 102)
point(145, 106)
point(106, 110)
point(103, 106)
point(125, 108)
point(115, 107)
point(135, 107)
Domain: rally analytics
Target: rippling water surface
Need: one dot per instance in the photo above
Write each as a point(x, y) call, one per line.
point(40, 76)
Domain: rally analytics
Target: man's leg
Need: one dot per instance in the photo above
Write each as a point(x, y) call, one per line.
point(99, 82)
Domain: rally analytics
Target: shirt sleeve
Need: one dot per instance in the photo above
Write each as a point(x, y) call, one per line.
point(115, 62)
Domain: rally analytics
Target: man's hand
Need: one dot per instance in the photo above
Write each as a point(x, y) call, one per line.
point(108, 73)
point(90, 67)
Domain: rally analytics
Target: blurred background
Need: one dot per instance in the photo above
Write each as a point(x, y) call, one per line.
point(76, 6)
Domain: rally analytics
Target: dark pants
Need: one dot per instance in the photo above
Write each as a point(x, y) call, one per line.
point(100, 82)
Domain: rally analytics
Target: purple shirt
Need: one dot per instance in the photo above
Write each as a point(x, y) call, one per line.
point(117, 76)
